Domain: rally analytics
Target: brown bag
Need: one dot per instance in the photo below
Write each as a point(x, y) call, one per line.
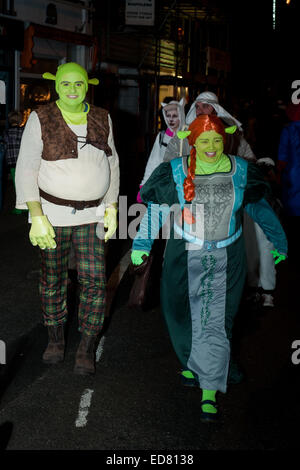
point(138, 293)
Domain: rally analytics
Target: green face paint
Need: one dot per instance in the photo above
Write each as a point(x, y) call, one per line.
point(67, 68)
point(71, 84)
point(209, 146)
point(71, 90)
point(71, 67)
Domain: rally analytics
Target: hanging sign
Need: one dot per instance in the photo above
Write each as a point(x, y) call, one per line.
point(140, 12)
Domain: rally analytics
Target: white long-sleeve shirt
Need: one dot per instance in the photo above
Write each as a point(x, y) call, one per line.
point(91, 176)
point(156, 156)
point(244, 150)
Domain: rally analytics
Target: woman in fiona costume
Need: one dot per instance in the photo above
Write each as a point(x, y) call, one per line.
point(203, 278)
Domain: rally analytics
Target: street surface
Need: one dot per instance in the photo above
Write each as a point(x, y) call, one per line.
point(136, 401)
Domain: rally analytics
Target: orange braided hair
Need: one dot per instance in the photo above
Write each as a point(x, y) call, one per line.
point(202, 123)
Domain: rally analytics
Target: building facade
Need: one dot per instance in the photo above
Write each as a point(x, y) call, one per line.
point(37, 36)
point(142, 51)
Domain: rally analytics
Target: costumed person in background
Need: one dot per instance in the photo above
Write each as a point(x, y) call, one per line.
point(261, 279)
point(68, 176)
point(174, 117)
point(236, 144)
point(12, 141)
point(208, 103)
point(288, 166)
point(203, 279)
point(167, 146)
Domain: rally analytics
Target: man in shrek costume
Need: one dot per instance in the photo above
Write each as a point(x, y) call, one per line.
point(203, 279)
point(68, 177)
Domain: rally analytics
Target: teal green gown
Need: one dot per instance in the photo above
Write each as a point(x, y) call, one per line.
point(203, 278)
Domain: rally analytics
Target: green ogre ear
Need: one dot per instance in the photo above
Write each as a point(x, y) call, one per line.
point(231, 129)
point(93, 81)
point(183, 134)
point(48, 76)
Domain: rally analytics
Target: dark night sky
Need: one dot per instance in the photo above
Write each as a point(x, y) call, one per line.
point(260, 53)
point(255, 41)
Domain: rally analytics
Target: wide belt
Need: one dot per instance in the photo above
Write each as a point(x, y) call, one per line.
point(77, 205)
point(208, 244)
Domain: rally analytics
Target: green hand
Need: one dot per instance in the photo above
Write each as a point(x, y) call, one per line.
point(277, 256)
point(110, 222)
point(136, 256)
point(42, 232)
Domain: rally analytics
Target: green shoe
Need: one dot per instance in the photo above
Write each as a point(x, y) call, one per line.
point(207, 417)
point(188, 379)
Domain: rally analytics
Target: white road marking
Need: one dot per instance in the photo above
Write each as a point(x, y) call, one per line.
point(84, 407)
point(113, 282)
point(99, 351)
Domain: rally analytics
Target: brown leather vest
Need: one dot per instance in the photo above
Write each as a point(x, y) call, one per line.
point(59, 142)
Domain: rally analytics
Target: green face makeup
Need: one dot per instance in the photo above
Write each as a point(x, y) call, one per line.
point(71, 89)
point(71, 85)
point(209, 146)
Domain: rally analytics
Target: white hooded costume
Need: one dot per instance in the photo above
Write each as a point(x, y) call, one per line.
point(261, 268)
point(160, 151)
point(244, 149)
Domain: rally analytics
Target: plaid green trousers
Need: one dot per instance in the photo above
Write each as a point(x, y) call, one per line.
point(90, 263)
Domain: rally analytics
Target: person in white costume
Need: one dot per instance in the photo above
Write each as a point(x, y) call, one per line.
point(208, 103)
point(174, 117)
point(257, 245)
point(261, 270)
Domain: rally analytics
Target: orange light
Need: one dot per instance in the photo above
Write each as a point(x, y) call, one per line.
point(288, 2)
point(180, 32)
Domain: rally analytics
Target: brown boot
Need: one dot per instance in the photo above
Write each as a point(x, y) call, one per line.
point(55, 350)
point(85, 356)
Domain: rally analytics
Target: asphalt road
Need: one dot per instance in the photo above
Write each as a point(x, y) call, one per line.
point(136, 401)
